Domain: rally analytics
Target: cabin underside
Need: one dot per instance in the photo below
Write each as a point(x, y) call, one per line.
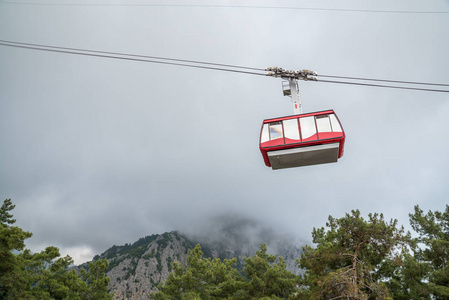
point(303, 156)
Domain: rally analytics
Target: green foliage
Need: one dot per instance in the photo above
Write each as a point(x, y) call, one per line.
point(97, 282)
point(268, 276)
point(117, 254)
point(408, 279)
point(43, 275)
point(148, 256)
point(165, 240)
point(11, 238)
point(132, 271)
point(206, 278)
point(350, 257)
point(169, 264)
point(5, 216)
point(432, 260)
point(115, 262)
point(203, 278)
point(137, 249)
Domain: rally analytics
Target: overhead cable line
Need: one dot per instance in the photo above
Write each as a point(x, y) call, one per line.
point(385, 86)
point(228, 6)
point(133, 55)
point(385, 80)
point(105, 55)
point(200, 65)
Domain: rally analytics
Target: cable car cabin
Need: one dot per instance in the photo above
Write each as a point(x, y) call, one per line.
point(302, 140)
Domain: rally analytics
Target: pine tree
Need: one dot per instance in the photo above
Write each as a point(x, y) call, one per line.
point(265, 277)
point(202, 278)
point(433, 230)
point(97, 281)
point(12, 238)
point(268, 276)
point(349, 257)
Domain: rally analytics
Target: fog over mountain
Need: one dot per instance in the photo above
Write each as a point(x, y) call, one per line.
point(242, 233)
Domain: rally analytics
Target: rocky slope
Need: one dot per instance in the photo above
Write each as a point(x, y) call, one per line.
point(137, 269)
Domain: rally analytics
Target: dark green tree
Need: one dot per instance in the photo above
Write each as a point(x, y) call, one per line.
point(5, 216)
point(268, 276)
point(203, 278)
point(350, 257)
point(45, 275)
point(96, 280)
point(433, 230)
point(12, 238)
point(265, 277)
point(407, 278)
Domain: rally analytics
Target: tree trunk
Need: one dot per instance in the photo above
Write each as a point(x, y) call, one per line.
point(354, 271)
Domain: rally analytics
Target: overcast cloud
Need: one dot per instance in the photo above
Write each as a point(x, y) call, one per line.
point(96, 152)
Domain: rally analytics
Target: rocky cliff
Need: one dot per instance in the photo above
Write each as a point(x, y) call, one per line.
point(137, 269)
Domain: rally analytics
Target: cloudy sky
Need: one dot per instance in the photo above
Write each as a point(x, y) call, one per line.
point(96, 151)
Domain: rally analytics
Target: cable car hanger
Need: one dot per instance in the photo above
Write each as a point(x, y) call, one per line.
point(300, 139)
point(293, 88)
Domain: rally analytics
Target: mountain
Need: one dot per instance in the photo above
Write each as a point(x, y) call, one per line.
point(137, 269)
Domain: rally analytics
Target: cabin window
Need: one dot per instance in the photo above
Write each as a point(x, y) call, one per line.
point(308, 128)
point(336, 127)
point(265, 136)
point(323, 123)
point(291, 129)
point(275, 130)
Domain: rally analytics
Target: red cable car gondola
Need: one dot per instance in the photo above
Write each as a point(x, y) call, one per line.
point(302, 140)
